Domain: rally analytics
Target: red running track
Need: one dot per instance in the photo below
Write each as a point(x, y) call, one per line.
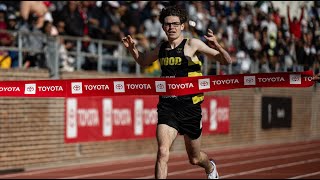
point(299, 160)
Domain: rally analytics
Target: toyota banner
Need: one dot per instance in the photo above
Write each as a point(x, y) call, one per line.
point(90, 119)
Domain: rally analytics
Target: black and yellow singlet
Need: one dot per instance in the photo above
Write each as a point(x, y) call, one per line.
point(174, 63)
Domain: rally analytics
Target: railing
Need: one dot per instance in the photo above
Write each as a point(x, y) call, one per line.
point(51, 52)
point(96, 51)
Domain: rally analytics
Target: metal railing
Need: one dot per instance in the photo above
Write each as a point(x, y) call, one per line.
point(51, 52)
point(99, 54)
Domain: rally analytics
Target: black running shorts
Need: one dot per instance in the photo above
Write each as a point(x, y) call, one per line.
point(185, 117)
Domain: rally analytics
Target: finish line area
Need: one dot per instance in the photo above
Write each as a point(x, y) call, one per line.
point(34, 120)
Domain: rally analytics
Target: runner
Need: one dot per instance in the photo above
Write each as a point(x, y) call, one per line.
point(180, 114)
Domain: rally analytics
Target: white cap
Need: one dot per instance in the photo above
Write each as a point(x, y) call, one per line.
point(155, 12)
point(48, 17)
point(241, 55)
point(12, 16)
point(3, 7)
point(114, 4)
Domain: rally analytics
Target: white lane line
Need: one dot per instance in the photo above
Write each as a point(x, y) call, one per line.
point(272, 168)
point(240, 163)
point(109, 172)
point(305, 175)
point(261, 152)
point(244, 154)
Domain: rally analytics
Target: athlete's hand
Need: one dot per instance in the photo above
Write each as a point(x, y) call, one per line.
point(128, 42)
point(212, 40)
point(316, 77)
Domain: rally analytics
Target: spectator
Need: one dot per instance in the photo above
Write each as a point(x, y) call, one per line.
point(47, 29)
point(12, 23)
point(212, 19)
point(153, 28)
point(243, 62)
point(5, 39)
point(317, 62)
point(309, 52)
point(74, 22)
point(277, 17)
point(5, 60)
point(238, 25)
point(67, 62)
point(295, 25)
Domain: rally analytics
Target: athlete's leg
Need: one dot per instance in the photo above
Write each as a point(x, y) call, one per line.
point(196, 156)
point(165, 137)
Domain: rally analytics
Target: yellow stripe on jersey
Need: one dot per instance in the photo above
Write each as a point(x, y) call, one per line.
point(194, 74)
point(195, 60)
point(198, 98)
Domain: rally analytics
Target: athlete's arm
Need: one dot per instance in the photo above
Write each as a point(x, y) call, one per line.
point(143, 59)
point(215, 51)
point(316, 78)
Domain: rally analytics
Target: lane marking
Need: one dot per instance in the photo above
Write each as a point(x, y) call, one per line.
point(239, 163)
point(176, 163)
point(272, 168)
point(305, 175)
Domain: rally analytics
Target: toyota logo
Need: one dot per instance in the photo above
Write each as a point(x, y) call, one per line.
point(160, 86)
point(71, 114)
point(76, 87)
point(250, 80)
point(295, 78)
point(119, 86)
point(30, 89)
point(138, 113)
point(204, 83)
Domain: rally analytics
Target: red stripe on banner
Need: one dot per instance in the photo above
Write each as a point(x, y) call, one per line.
point(152, 86)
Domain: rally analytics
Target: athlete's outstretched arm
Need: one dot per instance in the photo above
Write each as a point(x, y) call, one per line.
point(316, 77)
point(143, 59)
point(214, 50)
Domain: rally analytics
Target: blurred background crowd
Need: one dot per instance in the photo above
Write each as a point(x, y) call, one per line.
point(258, 37)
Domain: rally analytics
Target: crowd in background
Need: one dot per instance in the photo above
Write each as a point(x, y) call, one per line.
point(257, 37)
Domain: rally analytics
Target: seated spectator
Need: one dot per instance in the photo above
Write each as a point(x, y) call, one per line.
point(152, 27)
point(12, 25)
point(5, 60)
point(243, 62)
point(5, 38)
point(66, 61)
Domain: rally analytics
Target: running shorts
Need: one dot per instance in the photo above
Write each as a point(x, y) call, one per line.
point(182, 115)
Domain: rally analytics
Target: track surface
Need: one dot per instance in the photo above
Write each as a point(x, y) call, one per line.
point(299, 160)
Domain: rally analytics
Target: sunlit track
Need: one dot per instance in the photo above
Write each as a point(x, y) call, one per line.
point(243, 163)
point(178, 160)
point(247, 162)
point(193, 170)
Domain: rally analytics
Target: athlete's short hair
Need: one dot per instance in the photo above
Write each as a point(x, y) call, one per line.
point(174, 11)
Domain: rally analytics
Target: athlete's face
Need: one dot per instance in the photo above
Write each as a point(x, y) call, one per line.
point(172, 27)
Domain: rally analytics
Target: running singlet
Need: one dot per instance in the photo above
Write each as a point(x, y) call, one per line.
point(175, 64)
